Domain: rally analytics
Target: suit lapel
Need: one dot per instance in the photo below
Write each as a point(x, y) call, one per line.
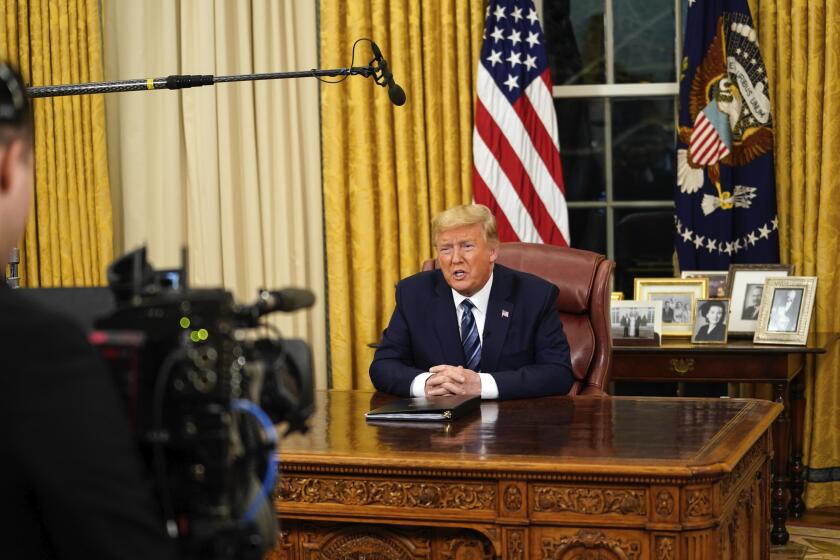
point(500, 310)
point(446, 324)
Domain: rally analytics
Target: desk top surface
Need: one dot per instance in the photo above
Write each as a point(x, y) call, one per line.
point(678, 437)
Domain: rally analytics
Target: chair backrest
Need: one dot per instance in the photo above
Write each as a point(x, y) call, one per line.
point(583, 278)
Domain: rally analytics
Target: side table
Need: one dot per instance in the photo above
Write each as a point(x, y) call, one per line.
point(741, 361)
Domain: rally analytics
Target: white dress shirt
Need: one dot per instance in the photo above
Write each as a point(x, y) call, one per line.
point(480, 301)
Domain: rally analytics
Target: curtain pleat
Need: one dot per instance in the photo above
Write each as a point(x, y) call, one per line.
point(69, 235)
point(387, 170)
point(800, 41)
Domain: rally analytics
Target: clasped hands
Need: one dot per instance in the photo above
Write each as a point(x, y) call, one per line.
point(452, 380)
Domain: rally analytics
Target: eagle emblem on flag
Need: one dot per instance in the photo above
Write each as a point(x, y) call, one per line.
point(726, 192)
point(732, 124)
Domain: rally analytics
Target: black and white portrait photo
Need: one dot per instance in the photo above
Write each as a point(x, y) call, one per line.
point(635, 321)
point(676, 308)
point(710, 322)
point(752, 302)
point(784, 311)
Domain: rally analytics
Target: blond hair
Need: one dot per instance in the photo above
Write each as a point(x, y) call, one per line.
point(466, 215)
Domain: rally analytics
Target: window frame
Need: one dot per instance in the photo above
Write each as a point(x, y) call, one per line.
point(609, 91)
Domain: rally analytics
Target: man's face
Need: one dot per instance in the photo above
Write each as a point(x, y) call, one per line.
point(465, 257)
point(755, 296)
point(15, 193)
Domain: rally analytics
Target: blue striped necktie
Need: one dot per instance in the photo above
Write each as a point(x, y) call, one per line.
point(469, 336)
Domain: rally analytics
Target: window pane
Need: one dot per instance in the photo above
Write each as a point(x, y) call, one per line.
point(574, 35)
point(588, 229)
point(644, 41)
point(644, 245)
point(643, 149)
point(580, 124)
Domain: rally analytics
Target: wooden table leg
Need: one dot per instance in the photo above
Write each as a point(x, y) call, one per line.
point(797, 484)
point(778, 508)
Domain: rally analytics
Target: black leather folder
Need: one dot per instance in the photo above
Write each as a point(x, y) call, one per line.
point(426, 409)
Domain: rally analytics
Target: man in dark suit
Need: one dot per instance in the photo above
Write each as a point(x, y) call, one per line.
point(472, 326)
point(70, 476)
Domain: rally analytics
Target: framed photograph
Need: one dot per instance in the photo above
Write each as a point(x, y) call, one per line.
point(745, 287)
point(616, 296)
point(717, 280)
point(785, 312)
point(710, 320)
point(636, 323)
point(677, 296)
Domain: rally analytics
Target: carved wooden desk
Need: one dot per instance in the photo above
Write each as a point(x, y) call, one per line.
point(612, 478)
point(741, 361)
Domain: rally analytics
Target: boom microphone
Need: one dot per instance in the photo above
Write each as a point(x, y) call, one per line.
point(395, 92)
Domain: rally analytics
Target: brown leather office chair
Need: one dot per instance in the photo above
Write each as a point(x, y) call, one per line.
point(583, 278)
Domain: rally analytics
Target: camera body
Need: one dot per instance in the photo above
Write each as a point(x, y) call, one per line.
point(203, 392)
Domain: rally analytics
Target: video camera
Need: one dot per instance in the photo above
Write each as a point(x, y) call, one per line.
point(203, 393)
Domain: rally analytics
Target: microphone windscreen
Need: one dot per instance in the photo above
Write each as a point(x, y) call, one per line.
point(397, 94)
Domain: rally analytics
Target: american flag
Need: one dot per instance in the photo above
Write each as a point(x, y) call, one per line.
point(516, 155)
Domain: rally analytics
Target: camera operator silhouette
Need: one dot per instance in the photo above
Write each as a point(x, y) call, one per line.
point(70, 477)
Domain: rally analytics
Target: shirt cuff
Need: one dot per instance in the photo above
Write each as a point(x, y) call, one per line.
point(489, 389)
point(418, 386)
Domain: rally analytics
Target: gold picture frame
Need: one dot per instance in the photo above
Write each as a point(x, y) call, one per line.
point(616, 296)
point(677, 296)
point(785, 313)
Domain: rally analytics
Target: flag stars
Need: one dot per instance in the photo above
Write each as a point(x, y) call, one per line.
point(764, 231)
point(686, 235)
point(698, 242)
point(736, 246)
point(530, 62)
point(497, 35)
point(515, 37)
point(533, 39)
point(728, 249)
point(751, 238)
point(495, 57)
point(511, 82)
point(500, 12)
point(711, 245)
point(517, 14)
point(514, 59)
point(775, 223)
point(532, 16)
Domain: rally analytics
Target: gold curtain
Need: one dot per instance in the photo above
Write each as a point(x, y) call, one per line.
point(800, 41)
point(68, 240)
point(232, 172)
point(387, 170)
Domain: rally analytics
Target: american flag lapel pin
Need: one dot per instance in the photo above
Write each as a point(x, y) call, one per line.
point(505, 313)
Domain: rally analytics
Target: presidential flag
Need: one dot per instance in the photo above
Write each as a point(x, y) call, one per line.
point(726, 189)
point(516, 155)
